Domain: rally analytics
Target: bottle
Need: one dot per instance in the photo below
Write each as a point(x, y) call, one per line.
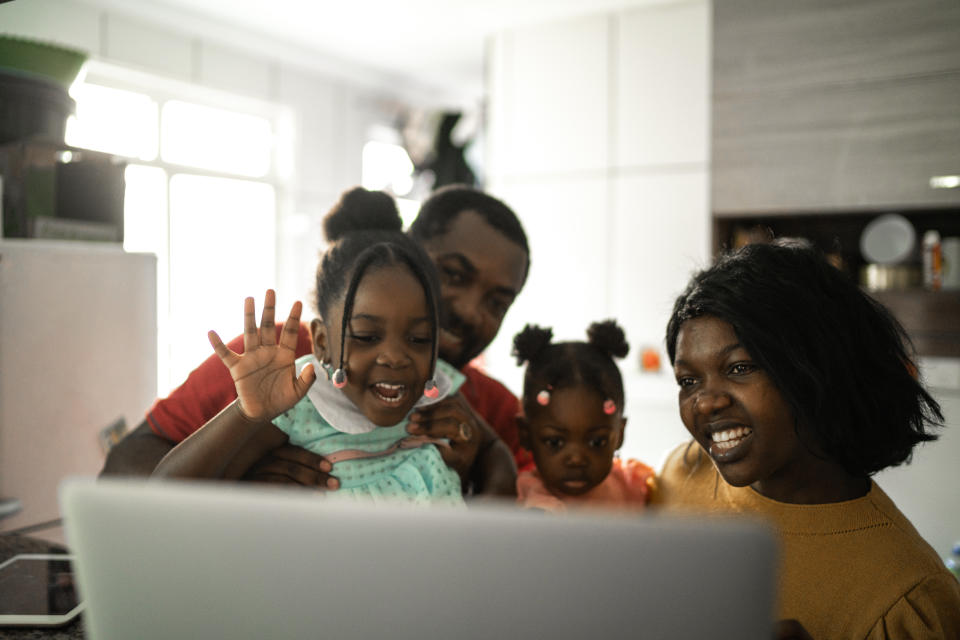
point(932, 261)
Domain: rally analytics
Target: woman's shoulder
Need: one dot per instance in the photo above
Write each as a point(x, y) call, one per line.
point(684, 461)
point(931, 609)
point(685, 475)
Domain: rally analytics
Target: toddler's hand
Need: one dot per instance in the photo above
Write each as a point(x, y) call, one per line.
point(264, 374)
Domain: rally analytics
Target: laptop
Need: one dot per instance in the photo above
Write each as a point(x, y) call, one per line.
point(215, 560)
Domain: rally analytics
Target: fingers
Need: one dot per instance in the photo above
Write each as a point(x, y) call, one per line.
point(291, 328)
point(294, 465)
point(268, 330)
point(446, 419)
point(304, 380)
point(251, 340)
point(227, 357)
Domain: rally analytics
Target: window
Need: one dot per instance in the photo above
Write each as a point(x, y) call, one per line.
point(201, 193)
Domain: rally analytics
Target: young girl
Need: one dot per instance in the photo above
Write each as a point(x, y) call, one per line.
point(796, 387)
point(573, 423)
point(376, 343)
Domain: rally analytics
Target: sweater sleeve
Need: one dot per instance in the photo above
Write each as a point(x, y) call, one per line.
point(929, 610)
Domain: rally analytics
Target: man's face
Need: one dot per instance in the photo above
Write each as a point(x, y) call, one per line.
point(481, 272)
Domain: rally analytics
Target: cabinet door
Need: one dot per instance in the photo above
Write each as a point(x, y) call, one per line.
point(836, 147)
point(765, 45)
point(662, 107)
point(552, 98)
point(821, 105)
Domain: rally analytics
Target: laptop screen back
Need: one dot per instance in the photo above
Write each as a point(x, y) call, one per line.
point(162, 560)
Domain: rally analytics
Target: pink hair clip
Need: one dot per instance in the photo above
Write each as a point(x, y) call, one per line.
point(543, 397)
point(609, 407)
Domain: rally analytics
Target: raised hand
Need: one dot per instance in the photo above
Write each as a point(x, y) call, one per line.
point(265, 373)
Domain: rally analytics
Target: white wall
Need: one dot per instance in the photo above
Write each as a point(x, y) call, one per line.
point(598, 138)
point(926, 489)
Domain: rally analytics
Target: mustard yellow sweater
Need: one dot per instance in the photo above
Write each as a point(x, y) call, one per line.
point(854, 569)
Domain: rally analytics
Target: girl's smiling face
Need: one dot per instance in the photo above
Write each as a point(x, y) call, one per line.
point(387, 346)
point(572, 440)
point(738, 416)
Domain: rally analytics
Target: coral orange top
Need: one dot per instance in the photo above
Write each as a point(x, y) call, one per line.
point(629, 486)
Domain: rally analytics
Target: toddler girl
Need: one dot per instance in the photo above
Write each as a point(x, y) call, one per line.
point(573, 422)
point(375, 340)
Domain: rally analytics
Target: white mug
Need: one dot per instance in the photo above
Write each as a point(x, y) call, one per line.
point(950, 259)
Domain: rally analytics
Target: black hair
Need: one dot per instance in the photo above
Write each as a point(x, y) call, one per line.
point(364, 232)
point(439, 210)
point(841, 361)
point(568, 364)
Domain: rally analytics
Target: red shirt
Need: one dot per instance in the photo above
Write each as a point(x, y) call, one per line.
point(209, 388)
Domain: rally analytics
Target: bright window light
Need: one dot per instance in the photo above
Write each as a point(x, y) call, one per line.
point(223, 249)
point(387, 166)
point(408, 210)
point(114, 121)
point(145, 210)
point(216, 139)
point(145, 231)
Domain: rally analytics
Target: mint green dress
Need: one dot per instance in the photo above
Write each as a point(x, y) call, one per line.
point(399, 467)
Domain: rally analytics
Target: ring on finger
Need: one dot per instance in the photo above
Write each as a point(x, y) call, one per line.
point(465, 431)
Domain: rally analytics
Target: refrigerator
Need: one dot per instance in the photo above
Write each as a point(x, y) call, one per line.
point(78, 353)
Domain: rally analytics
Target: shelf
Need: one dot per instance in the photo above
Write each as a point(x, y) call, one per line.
point(931, 318)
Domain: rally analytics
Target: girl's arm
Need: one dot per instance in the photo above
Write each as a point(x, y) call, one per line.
point(225, 447)
point(267, 385)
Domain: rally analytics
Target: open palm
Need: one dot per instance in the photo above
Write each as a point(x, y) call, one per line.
point(265, 373)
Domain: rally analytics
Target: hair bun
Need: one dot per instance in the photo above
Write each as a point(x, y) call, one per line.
point(609, 338)
point(531, 341)
point(359, 210)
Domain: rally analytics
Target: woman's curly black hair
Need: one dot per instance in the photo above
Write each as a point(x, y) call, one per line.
point(567, 364)
point(364, 231)
point(841, 360)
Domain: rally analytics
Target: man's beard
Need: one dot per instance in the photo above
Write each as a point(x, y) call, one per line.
point(470, 343)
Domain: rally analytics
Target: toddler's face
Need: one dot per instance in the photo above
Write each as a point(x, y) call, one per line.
point(387, 345)
point(572, 440)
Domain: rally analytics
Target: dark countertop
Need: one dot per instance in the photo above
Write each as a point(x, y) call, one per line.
point(11, 545)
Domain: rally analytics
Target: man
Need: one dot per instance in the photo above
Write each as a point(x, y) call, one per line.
point(482, 256)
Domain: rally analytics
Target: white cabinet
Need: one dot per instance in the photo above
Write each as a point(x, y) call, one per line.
point(550, 74)
point(78, 325)
point(663, 86)
point(598, 138)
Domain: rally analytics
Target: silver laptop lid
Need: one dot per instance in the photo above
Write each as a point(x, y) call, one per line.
point(165, 560)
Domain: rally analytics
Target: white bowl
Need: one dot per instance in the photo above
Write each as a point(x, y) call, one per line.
point(888, 239)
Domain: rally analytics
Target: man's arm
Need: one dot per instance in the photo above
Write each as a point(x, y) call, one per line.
point(137, 454)
point(494, 474)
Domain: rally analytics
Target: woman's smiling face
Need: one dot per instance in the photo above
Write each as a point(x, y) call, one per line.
point(387, 346)
point(736, 413)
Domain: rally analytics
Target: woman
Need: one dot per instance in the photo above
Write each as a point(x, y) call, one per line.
point(797, 387)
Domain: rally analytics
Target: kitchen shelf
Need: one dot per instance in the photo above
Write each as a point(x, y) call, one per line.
point(931, 318)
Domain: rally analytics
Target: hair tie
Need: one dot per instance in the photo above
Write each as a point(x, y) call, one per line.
point(609, 407)
point(543, 396)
